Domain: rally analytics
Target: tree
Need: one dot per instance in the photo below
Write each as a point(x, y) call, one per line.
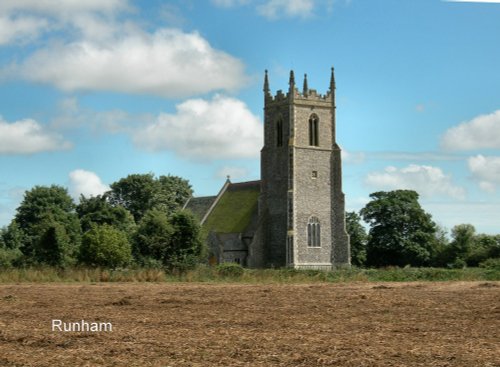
point(10, 242)
point(463, 236)
point(358, 238)
point(12, 236)
point(139, 193)
point(484, 247)
point(187, 247)
point(54, 245)
point(153, 238)
point(98, 210)
point(401, 232)
point(106, 246)
point(174, 192)
point(41, 207)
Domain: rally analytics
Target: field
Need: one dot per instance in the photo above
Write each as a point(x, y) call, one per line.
point(192, 324)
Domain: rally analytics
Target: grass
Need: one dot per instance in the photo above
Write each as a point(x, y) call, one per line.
point(213, 275)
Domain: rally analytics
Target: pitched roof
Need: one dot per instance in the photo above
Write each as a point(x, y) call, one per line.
point(235, 208)
point(199, 206)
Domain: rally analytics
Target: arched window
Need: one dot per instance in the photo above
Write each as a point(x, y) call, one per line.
point(313, 232)
point(314, 130)
point(279, 133)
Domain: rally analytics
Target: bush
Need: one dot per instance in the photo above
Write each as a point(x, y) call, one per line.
point(105, 246)
point(232, 270)
point(491, 264)
point(9, 257)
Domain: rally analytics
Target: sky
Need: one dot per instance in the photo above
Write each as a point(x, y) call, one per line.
point(92, 91)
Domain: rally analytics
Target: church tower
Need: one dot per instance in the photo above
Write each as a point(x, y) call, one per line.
point(302, 209)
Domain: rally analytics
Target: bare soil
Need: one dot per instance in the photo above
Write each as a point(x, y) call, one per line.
point(348, 324)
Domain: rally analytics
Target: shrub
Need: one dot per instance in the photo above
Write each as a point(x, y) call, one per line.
point(105, 246)
point(9, 257)
point(491, 264)
point(232, 270)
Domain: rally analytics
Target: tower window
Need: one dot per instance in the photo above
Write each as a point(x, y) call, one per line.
point(314, 174)
point(313, 232)
point(313, 130)
point(279, 133)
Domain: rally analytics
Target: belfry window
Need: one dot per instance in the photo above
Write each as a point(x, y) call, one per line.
point(279, 133)
point(313, 232)
point(313, 131)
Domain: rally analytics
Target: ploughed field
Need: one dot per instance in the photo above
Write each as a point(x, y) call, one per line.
point(185, 324)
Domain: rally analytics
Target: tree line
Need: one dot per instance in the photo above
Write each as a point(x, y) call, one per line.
point(401, 233)
point(139, 221)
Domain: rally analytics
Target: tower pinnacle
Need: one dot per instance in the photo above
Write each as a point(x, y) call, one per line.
point(266, 84)
point(332, 81)
point(305, 89)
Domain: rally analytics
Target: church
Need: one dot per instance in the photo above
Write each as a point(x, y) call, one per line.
point(294, 216)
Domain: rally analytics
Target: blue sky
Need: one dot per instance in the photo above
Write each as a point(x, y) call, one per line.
point(91, 91)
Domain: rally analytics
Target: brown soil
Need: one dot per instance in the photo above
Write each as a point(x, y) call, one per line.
point(351, 324)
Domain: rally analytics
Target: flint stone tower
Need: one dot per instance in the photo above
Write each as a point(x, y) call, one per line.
point(301, 203)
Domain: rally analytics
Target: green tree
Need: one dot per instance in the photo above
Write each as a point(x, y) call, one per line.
point(105, 246)
point(10, 242)
point(98, 210)
point(187, 247)
point(484, 247)
point(401, 232)
point(358, 238)
point(53, 247)
point(12, 236)
point(139, 193)
point(40, 208)
point(153, 238)
point(463, 237)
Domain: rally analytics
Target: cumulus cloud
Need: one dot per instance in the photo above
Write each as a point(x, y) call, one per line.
point(480, 132)
point(20, 29)
point(24, 20)
point(86, 183)
point(486, 170)
point(167, 63)
point(426, 180)
point(201, 129)
point(28, 136)
point(273, 9)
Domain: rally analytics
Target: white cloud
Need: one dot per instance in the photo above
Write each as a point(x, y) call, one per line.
point(481, 132)
point(219, 128)
point(24, 20)
point(86, 183)
point(168, 63)
point(20, 29)
point(28, 136)
point(486, 170)
point(273, 9)
point(428, 181)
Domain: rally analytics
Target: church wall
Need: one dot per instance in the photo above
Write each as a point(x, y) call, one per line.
point(274, 181)
point(312, 197)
